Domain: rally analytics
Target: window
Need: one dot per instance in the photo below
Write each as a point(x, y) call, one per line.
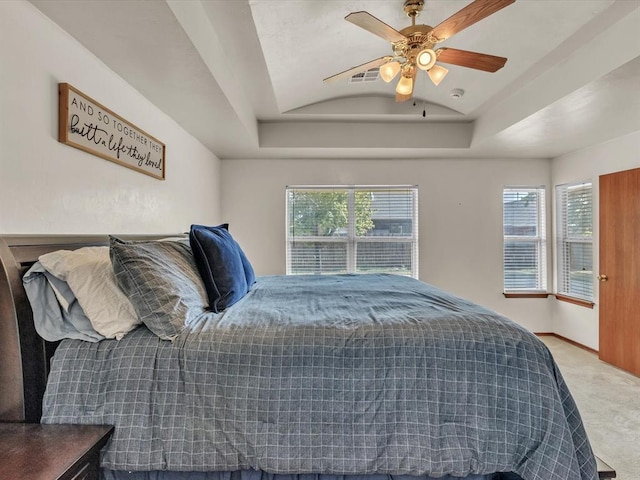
point(574, 240)
point(525, 245)
point(358, 229)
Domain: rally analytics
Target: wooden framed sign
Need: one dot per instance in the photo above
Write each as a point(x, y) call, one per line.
point(85, 124)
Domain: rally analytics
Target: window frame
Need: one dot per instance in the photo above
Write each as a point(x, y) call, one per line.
point(351, 239)
point(540, 240)
point(563, 245)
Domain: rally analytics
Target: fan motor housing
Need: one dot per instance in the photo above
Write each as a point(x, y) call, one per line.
point(418, 38)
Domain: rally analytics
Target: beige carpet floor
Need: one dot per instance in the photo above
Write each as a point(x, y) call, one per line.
point(609, 403)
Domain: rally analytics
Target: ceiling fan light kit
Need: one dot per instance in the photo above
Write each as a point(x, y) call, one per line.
point(426, 59)
point(405, 86)
point(413, 46)
point(389, 70)
point(437, 74)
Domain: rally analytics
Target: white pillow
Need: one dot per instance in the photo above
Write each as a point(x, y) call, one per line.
point(90, 276)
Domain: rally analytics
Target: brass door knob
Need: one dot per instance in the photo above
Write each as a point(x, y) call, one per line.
point(602, 277)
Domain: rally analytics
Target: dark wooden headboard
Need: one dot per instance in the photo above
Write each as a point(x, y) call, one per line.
point(24, 355)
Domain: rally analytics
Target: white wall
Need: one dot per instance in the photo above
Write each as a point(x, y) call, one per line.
point(579, 323)
point(460, 215)
point(48, 187)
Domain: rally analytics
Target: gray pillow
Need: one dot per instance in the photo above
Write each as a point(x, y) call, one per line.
point(162, 281)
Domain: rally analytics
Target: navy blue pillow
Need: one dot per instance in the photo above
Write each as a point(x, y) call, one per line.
point(248, 269)
point(220, 264)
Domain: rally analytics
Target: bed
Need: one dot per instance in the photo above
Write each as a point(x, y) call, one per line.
point(303, 377)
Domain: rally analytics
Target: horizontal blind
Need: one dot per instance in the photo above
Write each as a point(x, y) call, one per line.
point(524, 247)
point(355, 229)
point(575, 240)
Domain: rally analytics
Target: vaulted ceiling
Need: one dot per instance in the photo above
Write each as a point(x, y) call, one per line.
point(245, 76)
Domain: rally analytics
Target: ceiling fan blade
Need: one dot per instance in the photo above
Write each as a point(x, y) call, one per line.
point(375, 26)
point(464, 58)
point(472, 13)
point(360, 68)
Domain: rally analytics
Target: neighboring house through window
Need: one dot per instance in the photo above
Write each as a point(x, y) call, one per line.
point(525, 243)
point(352, 229)
point(574, 228)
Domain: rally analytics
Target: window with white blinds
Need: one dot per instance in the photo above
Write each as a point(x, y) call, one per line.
point(525, 243)
point(355, 229)
point(575, 240)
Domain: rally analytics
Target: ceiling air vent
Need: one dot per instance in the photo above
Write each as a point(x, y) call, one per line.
point(368, 76)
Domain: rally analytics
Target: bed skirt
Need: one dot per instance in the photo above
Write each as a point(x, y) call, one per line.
point(260, 475)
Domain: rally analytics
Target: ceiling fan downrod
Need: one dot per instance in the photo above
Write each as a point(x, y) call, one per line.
point(413, 8)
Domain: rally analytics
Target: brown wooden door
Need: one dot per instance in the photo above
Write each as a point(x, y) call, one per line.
point(620, 262)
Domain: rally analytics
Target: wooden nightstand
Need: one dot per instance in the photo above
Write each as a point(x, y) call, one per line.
point(51, 452)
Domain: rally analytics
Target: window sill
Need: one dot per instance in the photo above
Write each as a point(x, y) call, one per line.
point(575, 301)
point(525, 294)
point(562, 298)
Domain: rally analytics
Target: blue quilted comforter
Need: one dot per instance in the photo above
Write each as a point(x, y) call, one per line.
point(335, 374)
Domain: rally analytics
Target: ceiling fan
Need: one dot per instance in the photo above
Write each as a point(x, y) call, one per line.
point(413, 46)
